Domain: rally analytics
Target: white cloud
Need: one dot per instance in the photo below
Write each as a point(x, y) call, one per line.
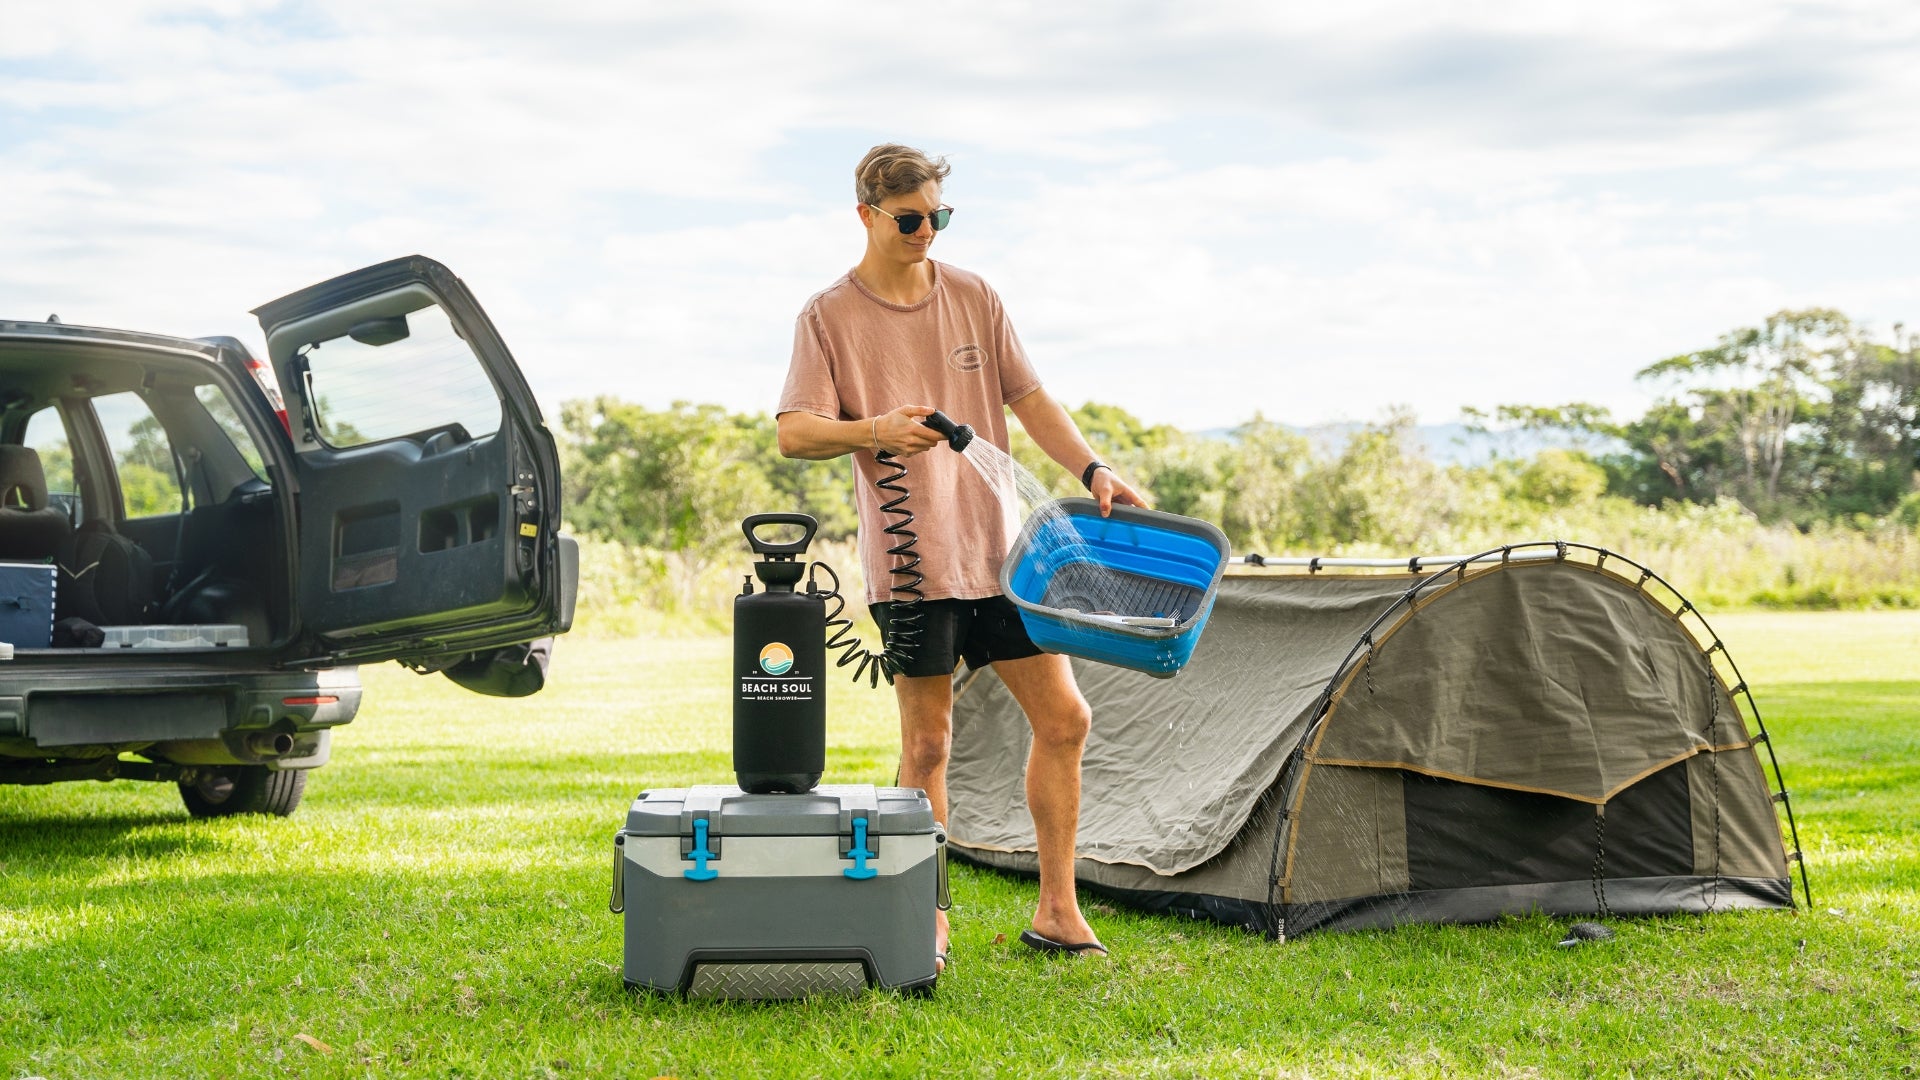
point(1194, 212)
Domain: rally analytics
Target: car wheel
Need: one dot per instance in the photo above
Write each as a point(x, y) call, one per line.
point(243, 789)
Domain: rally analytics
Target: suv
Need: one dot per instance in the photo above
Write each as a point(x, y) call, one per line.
point(191, 568)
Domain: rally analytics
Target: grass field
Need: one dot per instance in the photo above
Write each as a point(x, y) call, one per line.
point(437, 908)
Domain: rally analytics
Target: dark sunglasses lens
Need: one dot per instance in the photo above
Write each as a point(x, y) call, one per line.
point(909, 223)
point(941, 217)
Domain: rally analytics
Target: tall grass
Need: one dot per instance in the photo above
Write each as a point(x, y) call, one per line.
point(1719, 556)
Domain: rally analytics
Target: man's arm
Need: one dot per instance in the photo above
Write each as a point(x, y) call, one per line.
point(816, 438)
point(1048, 424)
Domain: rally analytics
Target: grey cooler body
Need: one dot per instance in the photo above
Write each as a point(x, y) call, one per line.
point(728, 894)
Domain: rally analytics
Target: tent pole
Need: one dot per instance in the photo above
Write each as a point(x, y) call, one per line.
point(1412, 564)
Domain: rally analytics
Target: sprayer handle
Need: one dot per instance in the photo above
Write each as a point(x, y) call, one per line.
point(958, 435)
point(761, 547)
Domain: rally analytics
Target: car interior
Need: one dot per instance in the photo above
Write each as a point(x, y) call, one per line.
point(140, 481)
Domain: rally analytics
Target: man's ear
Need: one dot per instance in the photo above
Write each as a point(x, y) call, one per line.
point(866, 214)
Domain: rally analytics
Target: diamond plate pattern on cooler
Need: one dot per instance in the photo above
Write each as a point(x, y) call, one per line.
point(759, 981)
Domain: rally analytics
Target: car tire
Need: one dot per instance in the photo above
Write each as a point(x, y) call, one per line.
point(243, 789)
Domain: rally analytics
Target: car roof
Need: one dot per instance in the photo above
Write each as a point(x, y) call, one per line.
point(57, 331)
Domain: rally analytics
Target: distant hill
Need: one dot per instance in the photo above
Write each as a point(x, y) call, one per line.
point(1446, 444)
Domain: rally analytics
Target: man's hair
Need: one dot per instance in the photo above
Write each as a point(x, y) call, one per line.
point(892, 169)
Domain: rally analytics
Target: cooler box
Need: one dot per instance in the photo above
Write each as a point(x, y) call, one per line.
point(774, 896)
point(26, 605)
point(1133, 589)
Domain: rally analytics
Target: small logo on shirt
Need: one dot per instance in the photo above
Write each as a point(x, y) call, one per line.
point(967, 358)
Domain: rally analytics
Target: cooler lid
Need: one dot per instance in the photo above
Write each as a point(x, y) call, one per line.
point(824, 811)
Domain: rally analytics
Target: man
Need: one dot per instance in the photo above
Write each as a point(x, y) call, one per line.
point(896, 338)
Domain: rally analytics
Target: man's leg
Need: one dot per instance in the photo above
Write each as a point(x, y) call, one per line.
point(1060, 718)
point(926, 738)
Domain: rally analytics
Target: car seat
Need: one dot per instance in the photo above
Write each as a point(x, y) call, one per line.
point(30, 529)
point(105, 578)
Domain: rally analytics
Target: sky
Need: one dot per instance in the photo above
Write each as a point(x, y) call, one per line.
point(1196, 211)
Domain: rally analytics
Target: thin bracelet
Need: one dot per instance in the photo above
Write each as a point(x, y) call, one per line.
point(1086, 477)
point(875, 427)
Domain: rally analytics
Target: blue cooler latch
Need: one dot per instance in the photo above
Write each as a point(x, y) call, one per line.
point(860, 853)
point(859, 810)
point(701, 853)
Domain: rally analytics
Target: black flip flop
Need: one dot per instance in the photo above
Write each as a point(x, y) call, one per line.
point(1033, 939)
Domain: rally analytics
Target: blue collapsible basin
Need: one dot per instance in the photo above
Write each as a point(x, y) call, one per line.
point(1076, 575)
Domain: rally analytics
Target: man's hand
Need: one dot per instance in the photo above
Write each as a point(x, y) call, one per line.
point(901, 433)
point(1108, 489)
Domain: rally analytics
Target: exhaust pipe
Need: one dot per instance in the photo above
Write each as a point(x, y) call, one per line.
point(271, 744)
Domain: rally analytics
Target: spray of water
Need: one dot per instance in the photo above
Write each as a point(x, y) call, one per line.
point(1079, 582)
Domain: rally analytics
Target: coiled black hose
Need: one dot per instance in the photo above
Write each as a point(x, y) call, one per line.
point(903, 622)
point(840, 636)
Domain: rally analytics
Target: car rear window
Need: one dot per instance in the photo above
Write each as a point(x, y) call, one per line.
point(428, 380)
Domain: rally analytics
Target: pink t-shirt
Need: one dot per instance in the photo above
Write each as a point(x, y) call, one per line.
point(857, 356)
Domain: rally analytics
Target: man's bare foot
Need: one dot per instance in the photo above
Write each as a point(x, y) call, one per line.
point(1067, 927)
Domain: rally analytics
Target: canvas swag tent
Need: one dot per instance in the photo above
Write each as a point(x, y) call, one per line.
point(1546, 727)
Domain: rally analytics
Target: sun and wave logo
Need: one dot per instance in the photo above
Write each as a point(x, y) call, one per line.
point(776, 659)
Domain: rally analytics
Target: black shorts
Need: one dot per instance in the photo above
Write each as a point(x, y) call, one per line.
point(979, 631)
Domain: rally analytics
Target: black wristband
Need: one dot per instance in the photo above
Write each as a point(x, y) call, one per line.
point(1086, 477)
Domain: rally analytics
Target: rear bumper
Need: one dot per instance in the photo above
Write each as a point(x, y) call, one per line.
point(185, 716)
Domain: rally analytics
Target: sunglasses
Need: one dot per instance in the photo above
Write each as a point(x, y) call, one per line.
point(910, 223)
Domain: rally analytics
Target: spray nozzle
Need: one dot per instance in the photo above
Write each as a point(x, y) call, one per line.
point(958, 435)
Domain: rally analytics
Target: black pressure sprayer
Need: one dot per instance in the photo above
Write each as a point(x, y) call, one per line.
point(780, 640)
point(779, 666)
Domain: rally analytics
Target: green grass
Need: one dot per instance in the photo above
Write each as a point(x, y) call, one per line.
point(437, 908)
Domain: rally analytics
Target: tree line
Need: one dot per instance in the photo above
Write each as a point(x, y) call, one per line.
point(1804, 419)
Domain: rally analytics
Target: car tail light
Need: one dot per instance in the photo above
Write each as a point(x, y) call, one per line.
point(263, 375)
point(319, 699)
